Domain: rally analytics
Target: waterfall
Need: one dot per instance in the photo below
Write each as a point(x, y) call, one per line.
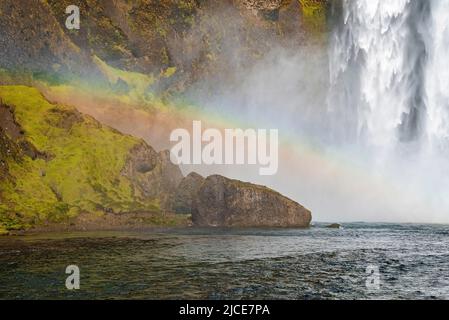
point(388, 101)
point(378, 71)
point(437, 75)
point(368, 112)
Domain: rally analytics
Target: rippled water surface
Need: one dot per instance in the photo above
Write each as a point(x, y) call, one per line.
point(317, 263)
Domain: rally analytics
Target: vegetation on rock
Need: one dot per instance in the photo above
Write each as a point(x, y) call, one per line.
point(57, 164)
point(76, 167)
point(174, 43)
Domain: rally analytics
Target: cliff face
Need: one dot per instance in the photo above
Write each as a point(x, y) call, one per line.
point(153, 174)
point(33, 40)
point(186, 193)
point(56, 163)
point(8, 148)
point(178, 42)
point(222, 202)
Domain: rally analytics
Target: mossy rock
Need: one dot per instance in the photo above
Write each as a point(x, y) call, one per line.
point(3, 231)
point(82, 172)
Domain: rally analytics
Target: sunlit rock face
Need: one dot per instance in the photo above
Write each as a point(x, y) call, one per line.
point(266, 9)
point(222, 202)
point(263, 5)
point(196, 39)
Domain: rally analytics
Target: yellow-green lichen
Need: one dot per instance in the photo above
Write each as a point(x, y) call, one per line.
point(81, 169)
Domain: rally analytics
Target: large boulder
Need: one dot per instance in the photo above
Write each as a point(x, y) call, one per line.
point(153, 174)
point(222, 202)
point(186, 193)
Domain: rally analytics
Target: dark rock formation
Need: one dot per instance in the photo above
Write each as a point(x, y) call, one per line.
point(6, 148)
point(191, 37)
point(153, 174)
point(116, 174)
point(33, 39)
point(12, 142)
point(56, 163)
point(223, 202)
point(334, 226)
point(187, 192)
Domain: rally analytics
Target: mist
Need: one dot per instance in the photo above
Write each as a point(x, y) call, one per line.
point(354, 145)
point(361, 112)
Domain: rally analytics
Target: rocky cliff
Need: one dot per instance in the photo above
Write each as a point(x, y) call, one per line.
point(179, 43)
point(187, 192)
point(153, 174)
point(33, 40)
point(222, 202)
point(56, 163)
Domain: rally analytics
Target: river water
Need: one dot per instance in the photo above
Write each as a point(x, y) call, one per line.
point(316, 263)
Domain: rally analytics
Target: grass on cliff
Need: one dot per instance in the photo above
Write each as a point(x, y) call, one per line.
point(115, 87)
point(80, 171)
point(136, 83)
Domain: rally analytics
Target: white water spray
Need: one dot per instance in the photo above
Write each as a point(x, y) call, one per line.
point(374, 70)
point(437, 76)
point(390, 94)
point(376, 151)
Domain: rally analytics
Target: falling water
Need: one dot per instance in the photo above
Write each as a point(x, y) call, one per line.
point(377, 70)
point(377, 148)
point(437, 75)
point(389, 94)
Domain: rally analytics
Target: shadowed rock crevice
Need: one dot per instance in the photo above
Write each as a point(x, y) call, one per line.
point(13, 141)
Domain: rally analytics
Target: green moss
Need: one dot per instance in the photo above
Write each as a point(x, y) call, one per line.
point(169, 72)
point(3, 231)
point(11, 222)
point(81, 172)
point(52, 78)
point(170, 220)
point(137, 83)
point(314, 16)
